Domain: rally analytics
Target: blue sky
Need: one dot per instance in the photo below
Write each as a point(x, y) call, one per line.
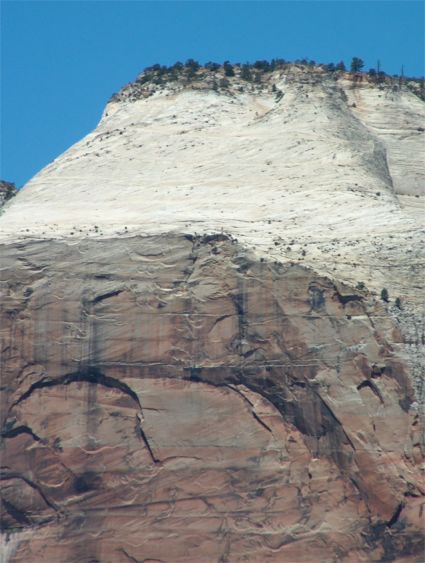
point(61, 60)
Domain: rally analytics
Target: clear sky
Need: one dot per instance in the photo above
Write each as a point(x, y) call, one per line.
point(61, 60)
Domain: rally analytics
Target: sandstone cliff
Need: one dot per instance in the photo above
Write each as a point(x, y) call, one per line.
point(7, 191)
point(196, 362)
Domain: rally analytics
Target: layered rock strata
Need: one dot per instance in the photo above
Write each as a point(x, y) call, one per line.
point(196, 364)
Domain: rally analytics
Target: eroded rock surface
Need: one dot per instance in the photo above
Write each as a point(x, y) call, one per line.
point(195, 358)
point(173, 398)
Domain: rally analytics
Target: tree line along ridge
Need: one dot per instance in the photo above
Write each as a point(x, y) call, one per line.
point(219, 75)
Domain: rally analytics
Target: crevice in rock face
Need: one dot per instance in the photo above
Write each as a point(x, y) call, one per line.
point(258, 419)
point(108, 295)
point(395, 542)
point(239, 392)
point(18, 515)
point(254, 414)
point(130, 557)
point(372, 387)
point(141, 433)
point(394, 518)
point(250, 353)
point(219, 319)
point(148, 560)
point(18, 431)
point(333, 417)
point(35, 486)
point(89, 375)
point(344, 299)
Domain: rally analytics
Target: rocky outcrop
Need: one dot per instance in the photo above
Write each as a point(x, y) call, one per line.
point(195, 359)
point(173, 395)
point(7, 191)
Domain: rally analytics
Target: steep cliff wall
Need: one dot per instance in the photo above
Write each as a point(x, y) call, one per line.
point(196, 364)
point(175, 388)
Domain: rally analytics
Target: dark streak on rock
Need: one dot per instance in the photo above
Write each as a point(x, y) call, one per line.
point(394, 518)
point(258, 419)
point(130, 557)
point(106, 295)
point(141, 433)
point(372, 387)
point(17, 515)
point(344, 299)
point(87, 481)
point(18, 431)
point(254, 414)
point(88, 375)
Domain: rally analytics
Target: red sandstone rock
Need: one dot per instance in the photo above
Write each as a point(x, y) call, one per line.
point(193, 405)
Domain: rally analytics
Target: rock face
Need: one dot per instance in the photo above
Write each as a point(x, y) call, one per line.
point(7, 191)
point(173, 393)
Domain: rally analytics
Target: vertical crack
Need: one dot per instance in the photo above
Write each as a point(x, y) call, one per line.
point(394, 518)
point(140, 432)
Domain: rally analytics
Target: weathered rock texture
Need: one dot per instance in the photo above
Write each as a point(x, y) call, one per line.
point(7, 191)
point(181, 397)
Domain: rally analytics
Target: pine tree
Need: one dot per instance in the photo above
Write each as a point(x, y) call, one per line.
point(246, 73)
point(385, 295)
point(356, 64)
point(228, 69)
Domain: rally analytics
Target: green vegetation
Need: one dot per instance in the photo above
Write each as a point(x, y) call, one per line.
point(216, 75)
point(385, 295)
point(228, 69)
point(246, 73)
point(356, 64)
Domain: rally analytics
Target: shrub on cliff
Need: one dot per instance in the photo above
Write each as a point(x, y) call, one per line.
point(212, 66)
point(385, 295)
point(192, 65)
point(262, 65)
point(246, 73)
point(228, 69)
